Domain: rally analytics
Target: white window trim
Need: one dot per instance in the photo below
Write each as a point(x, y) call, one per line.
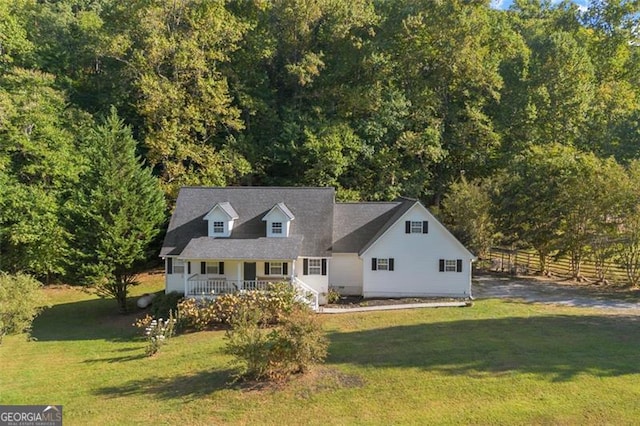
point(416, 227)
point(278, 265)
point(179, 266)
point(277, 228)
point(218, 227)
point(214, 266)
point(450, 265)
point(314, 266)
point(382, 264)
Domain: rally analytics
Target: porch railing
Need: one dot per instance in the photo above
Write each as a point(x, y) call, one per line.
point(307, 293)
point(212, 288)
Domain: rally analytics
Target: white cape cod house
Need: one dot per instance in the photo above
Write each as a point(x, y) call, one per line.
point(229, 239)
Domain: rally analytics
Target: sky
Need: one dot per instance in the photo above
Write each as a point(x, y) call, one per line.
point(504, 4)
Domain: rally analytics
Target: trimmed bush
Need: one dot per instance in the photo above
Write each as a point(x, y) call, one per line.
point(21, 300)
point(275, 353)
point(164, 304)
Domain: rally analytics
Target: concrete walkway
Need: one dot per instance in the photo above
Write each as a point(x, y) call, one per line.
point(394, 307)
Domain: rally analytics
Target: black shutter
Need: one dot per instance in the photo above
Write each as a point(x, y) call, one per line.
point(266, 268)
point(441, 265)
point(305, 266)
point(169, 265)
point(425, 227)
point(324, 266)
point(459, 265)
point(221, 268)
point(188, 267)
point(407, 227)
point(285, 268)
point(374, 264)
point(391, 263)
point(203, 268)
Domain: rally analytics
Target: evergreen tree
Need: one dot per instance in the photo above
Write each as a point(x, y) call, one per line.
point(115, 213)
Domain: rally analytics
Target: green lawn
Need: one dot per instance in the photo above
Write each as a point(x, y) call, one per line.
point(494, 363)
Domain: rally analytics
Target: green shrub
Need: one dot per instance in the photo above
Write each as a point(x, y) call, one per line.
point(21, 300)
point(165, 303)
point(275, 354)
point(333, 296)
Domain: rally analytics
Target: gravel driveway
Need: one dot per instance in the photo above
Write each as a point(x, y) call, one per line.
point(538, 290)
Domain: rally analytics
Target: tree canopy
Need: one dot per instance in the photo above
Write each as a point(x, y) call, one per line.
point(377, 98)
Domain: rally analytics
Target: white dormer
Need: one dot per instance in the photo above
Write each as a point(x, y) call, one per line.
point(278, 221)
point(221, 218)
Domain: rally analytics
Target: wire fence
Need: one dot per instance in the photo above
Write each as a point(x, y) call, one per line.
point(526, 262)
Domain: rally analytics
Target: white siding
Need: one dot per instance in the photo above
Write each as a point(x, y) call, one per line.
point(173, 282)
point(416, 261)
point(345, 274)
point(319, 283)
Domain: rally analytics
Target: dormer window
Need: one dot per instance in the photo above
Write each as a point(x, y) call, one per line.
point(276, 228)
point(218, 227)
point(278, 221)
point(220, 220)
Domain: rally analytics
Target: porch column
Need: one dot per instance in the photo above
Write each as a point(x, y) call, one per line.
point(184, 274)
point(239, 276)
point(293, 269)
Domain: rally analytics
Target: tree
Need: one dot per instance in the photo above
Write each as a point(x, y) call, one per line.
point(467, 212)
point(175, 54)
point(527, 202)
point(629, 227)
point(115, 212)
point(37, 154)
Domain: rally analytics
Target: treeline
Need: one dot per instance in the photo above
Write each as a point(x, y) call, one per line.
point(377, 98)
point(560, 201)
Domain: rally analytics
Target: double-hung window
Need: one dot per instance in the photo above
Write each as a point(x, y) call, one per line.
point(382, 264)
point(416, 227)
point(178, 266)
point(315, 266)
point(213, 268)
point(275, 268)
point(276, 228)
point(450, 265)
point(218, 227)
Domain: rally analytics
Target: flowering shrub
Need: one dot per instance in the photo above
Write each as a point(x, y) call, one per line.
point(275, 353)
point(272, 305)
point(157, 332)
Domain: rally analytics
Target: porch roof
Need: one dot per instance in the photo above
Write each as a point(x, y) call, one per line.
point(251, 248)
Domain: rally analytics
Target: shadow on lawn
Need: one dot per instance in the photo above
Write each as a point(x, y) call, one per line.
point(560, 347)
point(93, 319)
point(191, 386)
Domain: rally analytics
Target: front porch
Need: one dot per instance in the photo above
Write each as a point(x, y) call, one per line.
point(203, 286)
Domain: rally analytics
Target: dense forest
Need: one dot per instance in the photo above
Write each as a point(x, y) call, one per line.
point(520, 126)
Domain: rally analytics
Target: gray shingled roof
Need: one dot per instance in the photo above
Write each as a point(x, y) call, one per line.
point(312, 208)
point(228, 209)
point(254, 249)
point(284, 210)
point(357, 225)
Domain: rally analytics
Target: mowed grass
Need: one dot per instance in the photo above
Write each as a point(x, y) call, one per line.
point(497, 362)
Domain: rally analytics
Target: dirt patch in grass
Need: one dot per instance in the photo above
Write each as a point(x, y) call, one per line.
point(318, 379)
